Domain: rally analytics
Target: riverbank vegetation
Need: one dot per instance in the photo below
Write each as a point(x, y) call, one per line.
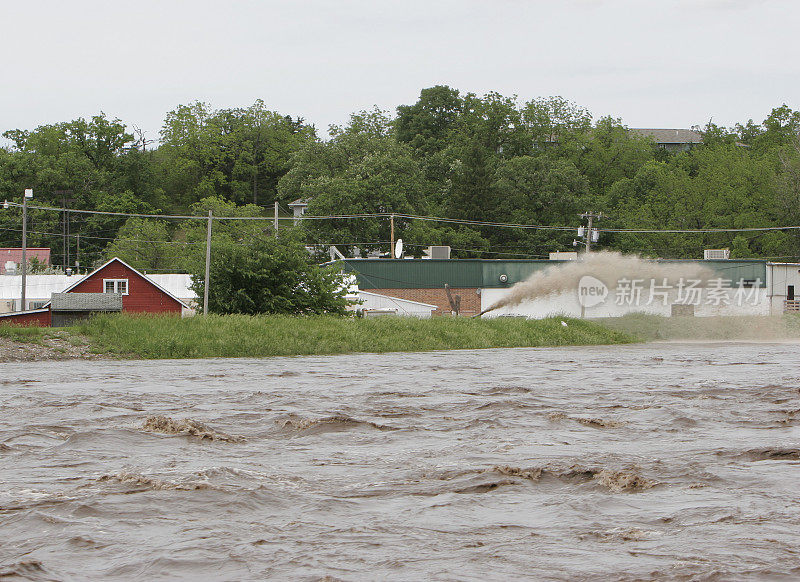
point(280, 335)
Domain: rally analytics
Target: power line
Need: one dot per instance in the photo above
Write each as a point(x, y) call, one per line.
point(414, 217)
point(306, 217)
point(698, 230)
point(86, 236)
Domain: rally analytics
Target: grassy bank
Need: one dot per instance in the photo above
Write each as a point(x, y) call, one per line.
point(24, 334)
point(744, 328)
point(261, 336)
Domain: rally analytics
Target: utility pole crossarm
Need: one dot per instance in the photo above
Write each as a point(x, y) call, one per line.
point(591, 234)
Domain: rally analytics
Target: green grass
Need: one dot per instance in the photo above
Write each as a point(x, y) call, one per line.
point(261, 336)
point(755, 328)
point(33, 335)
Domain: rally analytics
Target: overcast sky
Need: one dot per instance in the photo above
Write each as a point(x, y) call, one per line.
point(666, 63)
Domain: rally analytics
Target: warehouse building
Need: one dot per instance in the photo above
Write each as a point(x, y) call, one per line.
point(470, 286)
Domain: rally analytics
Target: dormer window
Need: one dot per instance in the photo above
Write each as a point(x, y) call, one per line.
point(115, 286)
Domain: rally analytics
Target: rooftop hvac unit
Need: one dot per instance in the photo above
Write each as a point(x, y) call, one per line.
point(716, 254)
point(438, 252)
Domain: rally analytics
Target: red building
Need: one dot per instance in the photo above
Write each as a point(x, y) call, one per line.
point(14, 255)
point(139, 294)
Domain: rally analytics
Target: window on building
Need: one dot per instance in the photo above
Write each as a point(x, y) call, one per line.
point(115, 286)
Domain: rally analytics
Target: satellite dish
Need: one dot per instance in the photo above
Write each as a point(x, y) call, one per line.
point(398, 249)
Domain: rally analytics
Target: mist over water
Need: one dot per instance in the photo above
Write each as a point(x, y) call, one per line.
point(637, 462)
point(605, 266)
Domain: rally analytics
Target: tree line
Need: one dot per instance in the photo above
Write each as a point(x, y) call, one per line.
point(489, 158)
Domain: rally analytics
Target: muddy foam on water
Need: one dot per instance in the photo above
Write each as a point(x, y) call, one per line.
point(186, 427)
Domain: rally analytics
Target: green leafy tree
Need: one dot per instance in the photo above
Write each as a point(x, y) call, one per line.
point(464, 242)
point(145, 245)
point(787, 199)
point(270, 275)
point(557, 126)
point(781, 128)
point(361, 170)
point(537, 191)
point(427, 124)
point(612, 154)
point(659, 196)
point(239, 154)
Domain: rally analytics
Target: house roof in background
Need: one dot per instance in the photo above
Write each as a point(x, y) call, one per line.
point(86, 302)
point(670, 135)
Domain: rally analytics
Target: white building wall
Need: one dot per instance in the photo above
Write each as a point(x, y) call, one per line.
point(178, 284)
point(38, 288)
point(780, 276)
point(400, 306)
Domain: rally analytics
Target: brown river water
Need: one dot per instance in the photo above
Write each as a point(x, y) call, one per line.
point(658, 461)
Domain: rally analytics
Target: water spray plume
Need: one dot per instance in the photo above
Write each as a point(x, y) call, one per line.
point(608, 267)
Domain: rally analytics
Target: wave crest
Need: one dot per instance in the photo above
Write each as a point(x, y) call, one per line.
point(333, 422)
point(615, 480)
point(186, 427)
point(141, 482)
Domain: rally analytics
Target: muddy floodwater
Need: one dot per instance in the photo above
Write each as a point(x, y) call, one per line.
point(659, 461)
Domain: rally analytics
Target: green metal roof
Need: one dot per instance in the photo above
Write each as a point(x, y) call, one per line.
point(483, 273)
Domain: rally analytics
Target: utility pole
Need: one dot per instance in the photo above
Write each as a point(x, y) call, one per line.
point(65, 204)
point(66, 217)
point(590, 234)
point(208, 263)
point(276, 219)
point(28, 194)
point(391, 230)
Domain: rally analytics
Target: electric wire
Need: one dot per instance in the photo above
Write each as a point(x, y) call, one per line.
point(441, 219)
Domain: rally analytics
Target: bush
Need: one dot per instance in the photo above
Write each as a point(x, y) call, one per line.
point(269, 275)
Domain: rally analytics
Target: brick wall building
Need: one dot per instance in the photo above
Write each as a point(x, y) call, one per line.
point(470, 298)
